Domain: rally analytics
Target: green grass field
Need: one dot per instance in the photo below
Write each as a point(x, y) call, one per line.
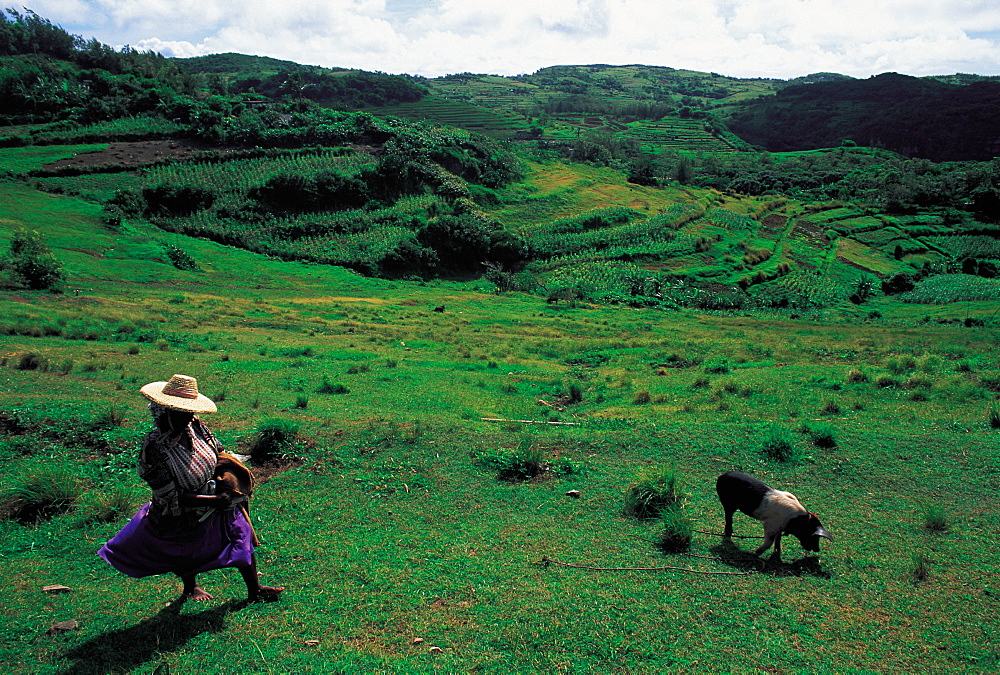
point(401, 549)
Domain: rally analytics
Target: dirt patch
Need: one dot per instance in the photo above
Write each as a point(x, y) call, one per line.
point(139, 152)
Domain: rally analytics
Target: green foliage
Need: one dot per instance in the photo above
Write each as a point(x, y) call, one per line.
point(525, 461)
point(29, 262)
point(652, 493)
point(39, 492)
point(945, 288)
point(821, 434)
point(274, 438)
point(778, 444)
point(110, 502)
point(677, 530)
point(935, 518)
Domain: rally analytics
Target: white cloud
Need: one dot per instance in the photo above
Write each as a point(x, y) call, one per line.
point(776, 38)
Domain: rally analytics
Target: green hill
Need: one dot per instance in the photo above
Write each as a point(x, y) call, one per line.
point(466, 369)
point(918, 117)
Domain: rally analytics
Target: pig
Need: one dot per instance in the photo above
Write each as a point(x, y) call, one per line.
point(780, 512)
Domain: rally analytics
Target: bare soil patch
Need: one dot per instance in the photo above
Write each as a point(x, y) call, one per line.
point(139, 152)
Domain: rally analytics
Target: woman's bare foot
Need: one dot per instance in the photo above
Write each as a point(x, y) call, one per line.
point(266, 594)
point(198, 593)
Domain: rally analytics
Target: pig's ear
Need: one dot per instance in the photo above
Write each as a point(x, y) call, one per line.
point(820, 532)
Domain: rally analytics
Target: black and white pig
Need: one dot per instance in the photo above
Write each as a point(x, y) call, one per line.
point(780, 511)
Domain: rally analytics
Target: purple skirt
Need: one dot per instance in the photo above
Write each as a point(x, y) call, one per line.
point(224, 539)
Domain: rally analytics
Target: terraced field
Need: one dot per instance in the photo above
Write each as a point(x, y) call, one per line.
point(458, 114)
point(677, 134)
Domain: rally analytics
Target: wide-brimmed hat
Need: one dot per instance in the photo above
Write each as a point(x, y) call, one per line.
point(179, 393)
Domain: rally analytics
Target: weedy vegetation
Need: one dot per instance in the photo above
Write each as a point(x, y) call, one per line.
point(452, 359)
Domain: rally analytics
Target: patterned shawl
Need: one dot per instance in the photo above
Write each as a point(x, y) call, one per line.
point(177, 462)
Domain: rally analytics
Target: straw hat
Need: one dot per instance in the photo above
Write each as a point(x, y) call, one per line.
point(180, 393)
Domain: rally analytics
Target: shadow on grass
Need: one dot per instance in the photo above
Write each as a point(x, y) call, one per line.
point(125, 649)
point(744, 561)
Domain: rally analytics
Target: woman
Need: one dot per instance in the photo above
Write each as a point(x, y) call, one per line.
point(185, 529)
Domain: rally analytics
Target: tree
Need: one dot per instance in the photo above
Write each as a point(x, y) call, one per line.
point(31, 263)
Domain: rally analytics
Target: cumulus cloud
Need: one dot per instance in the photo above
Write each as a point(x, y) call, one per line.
point(747, 38)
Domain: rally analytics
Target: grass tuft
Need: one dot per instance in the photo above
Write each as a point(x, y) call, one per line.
point(821, 434)
point(677, 530)
point(921, 569)
point(40, 493)
point(778, 444)
point(652, 493)
point(935, 519)
point(274, 438)
point(111, 503)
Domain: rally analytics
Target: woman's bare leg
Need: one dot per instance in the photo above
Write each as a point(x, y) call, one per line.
point(255, 591)
point(193, 590)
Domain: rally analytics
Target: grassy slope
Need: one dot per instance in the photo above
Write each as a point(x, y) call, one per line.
point(391, 530)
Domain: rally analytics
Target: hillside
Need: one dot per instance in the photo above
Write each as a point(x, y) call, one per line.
point(486, 380)
point(918, 117)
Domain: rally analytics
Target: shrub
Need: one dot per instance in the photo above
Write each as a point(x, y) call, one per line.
point(31, 263)
point(642, 397)
point(779, 444)
point(522, 463)
point(575, 393)
point(302, 401)
point(920, 569)
point(40, 493)
point(886, 382)
point(677, 530)
point(718, 366)
point(651, 493)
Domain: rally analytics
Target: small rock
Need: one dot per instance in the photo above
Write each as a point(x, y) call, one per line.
point(56, 588)
point(575, 494)
point(418, 641)
point(64, 627)
point(312, 643)
point(435, 650)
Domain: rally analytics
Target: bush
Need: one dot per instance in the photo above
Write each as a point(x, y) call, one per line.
point(779, 444)
point(31, 263)
point(830, 407)
point(652, 493)
point(856, 376)
point(897, 365)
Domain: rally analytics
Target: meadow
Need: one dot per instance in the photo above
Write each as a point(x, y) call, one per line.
point(390, 513)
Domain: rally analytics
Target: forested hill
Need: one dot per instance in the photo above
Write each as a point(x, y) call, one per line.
point(272, 78)
point(918, 117)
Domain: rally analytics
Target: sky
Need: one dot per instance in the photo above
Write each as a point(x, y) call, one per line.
point(740, 38)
